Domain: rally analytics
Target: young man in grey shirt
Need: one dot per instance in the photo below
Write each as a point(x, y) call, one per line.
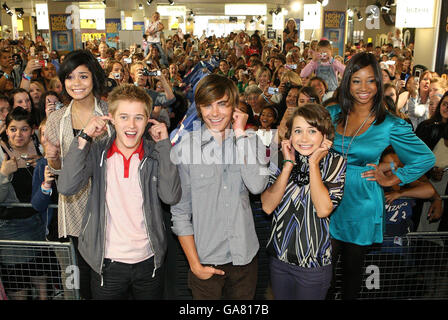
point(219, 164)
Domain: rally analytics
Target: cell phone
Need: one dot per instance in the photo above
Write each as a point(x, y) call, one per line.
point(272, 90)
point(403, 76)
point(390, 62)
point(127, 60)
point(418, 72)
point(58, 105)
point(43, 63)
point(291, 66)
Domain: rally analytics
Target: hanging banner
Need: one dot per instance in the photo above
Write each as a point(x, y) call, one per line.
point(61, 36)
point(334, 30)
point(113, 26)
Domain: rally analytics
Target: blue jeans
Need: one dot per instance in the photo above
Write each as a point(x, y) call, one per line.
point(291, 282)
point(122, 281)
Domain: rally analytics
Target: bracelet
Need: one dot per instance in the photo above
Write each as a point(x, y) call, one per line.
point(6, 75)
point(47, 192)
point(293, 163)
point(85, 136)
point(26, 77)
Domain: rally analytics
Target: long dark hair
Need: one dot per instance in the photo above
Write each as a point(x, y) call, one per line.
point(356, 63)
point(437, 117)
point(78, 58)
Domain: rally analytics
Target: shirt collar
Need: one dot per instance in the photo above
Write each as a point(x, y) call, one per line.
point(114, 149)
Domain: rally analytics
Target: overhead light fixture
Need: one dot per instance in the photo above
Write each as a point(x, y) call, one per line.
point(171, 2)
point(386, 8)
point(358, 14)
point(350, 13)
point(148, 2)
point(104, 2)
point(140, 6)
point(19, 12)
point(323, 2)
point(278, 10)
point(8, 11)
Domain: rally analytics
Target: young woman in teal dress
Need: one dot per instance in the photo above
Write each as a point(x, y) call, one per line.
point(363, 130)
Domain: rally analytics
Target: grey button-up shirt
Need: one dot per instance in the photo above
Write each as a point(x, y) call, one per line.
point(216, 179)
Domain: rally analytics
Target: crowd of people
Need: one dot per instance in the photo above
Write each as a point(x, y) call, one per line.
point(334, 133)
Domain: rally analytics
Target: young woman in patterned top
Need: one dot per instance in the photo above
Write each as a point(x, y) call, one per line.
point(302, 192)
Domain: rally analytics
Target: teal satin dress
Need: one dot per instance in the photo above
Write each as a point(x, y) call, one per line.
point(359, 218)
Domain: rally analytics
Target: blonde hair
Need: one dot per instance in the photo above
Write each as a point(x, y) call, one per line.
point(129, 92)
point(443, 83)
point(53, 82)
point(292, 77)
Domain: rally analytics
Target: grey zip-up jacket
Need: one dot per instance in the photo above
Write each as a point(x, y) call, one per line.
point(159, 180)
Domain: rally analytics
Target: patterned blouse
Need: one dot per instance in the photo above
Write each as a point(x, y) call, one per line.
point(298, 235)
point(59, 129)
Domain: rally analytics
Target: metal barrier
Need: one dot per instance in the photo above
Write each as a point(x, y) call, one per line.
point(35, 270)
point(411, 267)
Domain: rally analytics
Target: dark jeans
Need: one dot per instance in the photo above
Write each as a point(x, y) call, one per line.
point(84, 273)
point(123, 281)
point(238, 283)
point(291, 282)
point(352, 262)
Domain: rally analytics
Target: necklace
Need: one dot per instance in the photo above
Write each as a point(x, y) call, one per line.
point(345, 154)
point(83, 124)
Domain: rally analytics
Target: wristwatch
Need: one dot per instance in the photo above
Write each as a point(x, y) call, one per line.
point(85, 136)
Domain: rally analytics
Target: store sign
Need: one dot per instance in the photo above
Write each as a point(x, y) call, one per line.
point(167, 11)
point(415, 14)
point(311, 16)
point(42, 16)
point(245, 9)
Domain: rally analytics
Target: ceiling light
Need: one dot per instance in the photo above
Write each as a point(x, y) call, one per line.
point(323, 2)
point(360, 18)
point(148, 2)
point(171, 2)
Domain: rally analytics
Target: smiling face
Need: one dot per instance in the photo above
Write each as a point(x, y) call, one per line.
point(19, 133)
point(291, 98)
point(79, 83)
point(217, 116)
point(363, 86)
point(267, 118)
point(130, 120)
point(305, 138)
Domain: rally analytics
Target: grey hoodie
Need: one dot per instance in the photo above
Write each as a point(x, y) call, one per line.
point(159, 178)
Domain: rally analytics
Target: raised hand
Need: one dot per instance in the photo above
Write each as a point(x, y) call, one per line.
point(239, 122)
point(48, 177)
point(158, 130)
point(320, 152)
point(97, 126)
point(9, 166)
point(288, 151)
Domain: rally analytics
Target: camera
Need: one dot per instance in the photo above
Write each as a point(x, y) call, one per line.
point(148, 73)
point(58, 105)
point(127, 60)
point(272, 90)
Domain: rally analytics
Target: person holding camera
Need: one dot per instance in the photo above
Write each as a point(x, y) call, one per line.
point(324, 65)
point(161, 100)
point(9, 74)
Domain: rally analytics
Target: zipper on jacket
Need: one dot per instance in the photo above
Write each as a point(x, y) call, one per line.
point(144, 217)
point(105, 219)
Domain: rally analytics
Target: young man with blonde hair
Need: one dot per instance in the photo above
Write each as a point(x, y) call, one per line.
point(218, 167)
point(123, 235)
